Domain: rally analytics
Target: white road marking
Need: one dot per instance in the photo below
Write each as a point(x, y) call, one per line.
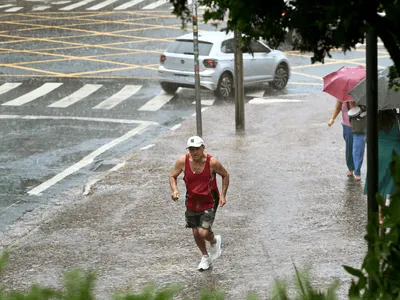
point(40, 8)
point(8, 86)
point(87, 160)
point(203, 109)
point(36, 93)
point(147, 147)
point(102, 5)
point(126, 92)
point(175, 127)
point(88, 186)
point(142, 125)
point(119, 121)
point(198, 7)
point(205, 102)
point(269, 101)
point(60, 2)
point(257, 94)
point(78, 95)
point(157, 102)
point(155, 4)
point(76, 5)
point(13, 9)
point(128, 4)
point(5, 5)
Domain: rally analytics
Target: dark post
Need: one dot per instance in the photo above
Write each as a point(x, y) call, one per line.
point(196, 69)
point(372, 131)
point(239, 90)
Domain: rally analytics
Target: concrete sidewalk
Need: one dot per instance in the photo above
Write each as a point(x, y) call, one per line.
point(289, 202)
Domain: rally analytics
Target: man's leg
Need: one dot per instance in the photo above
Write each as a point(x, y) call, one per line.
point(200, 239)
point(206, 221)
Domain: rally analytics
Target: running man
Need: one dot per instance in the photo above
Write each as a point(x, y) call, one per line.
point(202, 196)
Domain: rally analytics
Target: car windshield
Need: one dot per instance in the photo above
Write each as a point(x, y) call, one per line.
point(186, 47)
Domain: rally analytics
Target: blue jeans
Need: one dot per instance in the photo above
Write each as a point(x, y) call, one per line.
point(348, 138)
point(358, 152)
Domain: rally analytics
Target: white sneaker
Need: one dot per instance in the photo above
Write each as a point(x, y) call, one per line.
point(204, 263)
point(215, 250)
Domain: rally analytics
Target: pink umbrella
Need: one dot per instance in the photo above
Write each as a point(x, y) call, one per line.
point(341, 82)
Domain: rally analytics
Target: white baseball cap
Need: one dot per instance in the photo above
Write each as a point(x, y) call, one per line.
point(195, 141)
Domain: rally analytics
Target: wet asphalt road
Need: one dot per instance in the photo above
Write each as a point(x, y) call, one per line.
point(109, 50)
point(289, 202)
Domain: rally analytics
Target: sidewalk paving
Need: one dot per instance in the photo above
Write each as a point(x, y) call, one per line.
point(289, 202)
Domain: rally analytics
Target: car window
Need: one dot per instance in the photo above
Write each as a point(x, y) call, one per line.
point(228, 46)
point(186, 47)
point(257, 47)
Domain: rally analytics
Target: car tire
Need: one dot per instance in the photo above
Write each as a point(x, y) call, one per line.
point(225, 87)
point(281, 77)
point(169, 88)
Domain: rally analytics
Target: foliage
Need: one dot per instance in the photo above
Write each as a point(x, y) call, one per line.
point(379, 276)
point(304, 289)
point(323, 25)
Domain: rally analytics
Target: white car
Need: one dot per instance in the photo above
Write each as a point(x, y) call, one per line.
point(216, 64)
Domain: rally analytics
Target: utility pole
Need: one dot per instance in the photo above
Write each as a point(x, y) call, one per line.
point(239, 89)
point(372, 135)
point(196, 69)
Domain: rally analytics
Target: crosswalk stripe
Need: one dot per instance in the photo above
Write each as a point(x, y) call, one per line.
point(155, 4)
point(206, 102)
point(102, 5)
point(39, 92)
point(61, 2)
point(13, 9)
point(5, 5)
point(76, 5)
point(78, 95)
point(8, 86)
point(40, 8)
point(157, 102)
point(128, 4)
point(126, 92)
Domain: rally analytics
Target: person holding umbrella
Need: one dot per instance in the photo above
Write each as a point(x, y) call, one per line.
point(338, 84)
point(388, 128)
point(355, 143)
point(388, 141)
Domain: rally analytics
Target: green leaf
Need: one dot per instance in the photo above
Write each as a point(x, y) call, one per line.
point(353, 271)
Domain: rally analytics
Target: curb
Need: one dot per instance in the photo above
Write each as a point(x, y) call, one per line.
point(363, 46)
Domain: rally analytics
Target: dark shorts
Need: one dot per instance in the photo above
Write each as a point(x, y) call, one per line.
point(203, 219)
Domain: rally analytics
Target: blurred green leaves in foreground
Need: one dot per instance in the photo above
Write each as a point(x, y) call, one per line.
point(377, 279)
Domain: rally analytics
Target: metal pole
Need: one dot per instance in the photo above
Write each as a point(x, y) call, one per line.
point(372, 132)
point(196, 68)
point(239, 89)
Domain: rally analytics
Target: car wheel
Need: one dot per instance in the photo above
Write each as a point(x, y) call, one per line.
point(281, 77)
point(225, 87)
point(170, 88)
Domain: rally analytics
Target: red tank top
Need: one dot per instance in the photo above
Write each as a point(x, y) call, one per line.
point(201, 189)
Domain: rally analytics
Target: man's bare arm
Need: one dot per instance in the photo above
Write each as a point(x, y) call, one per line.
point(218, 168)
point(176, 171)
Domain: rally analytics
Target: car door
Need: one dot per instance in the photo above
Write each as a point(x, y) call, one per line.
point(228, 50)
point(261, 65)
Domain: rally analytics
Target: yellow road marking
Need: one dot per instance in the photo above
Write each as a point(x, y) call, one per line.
point(101, 71)
point(31, 69)
point(70, 58)
point(307, 75)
